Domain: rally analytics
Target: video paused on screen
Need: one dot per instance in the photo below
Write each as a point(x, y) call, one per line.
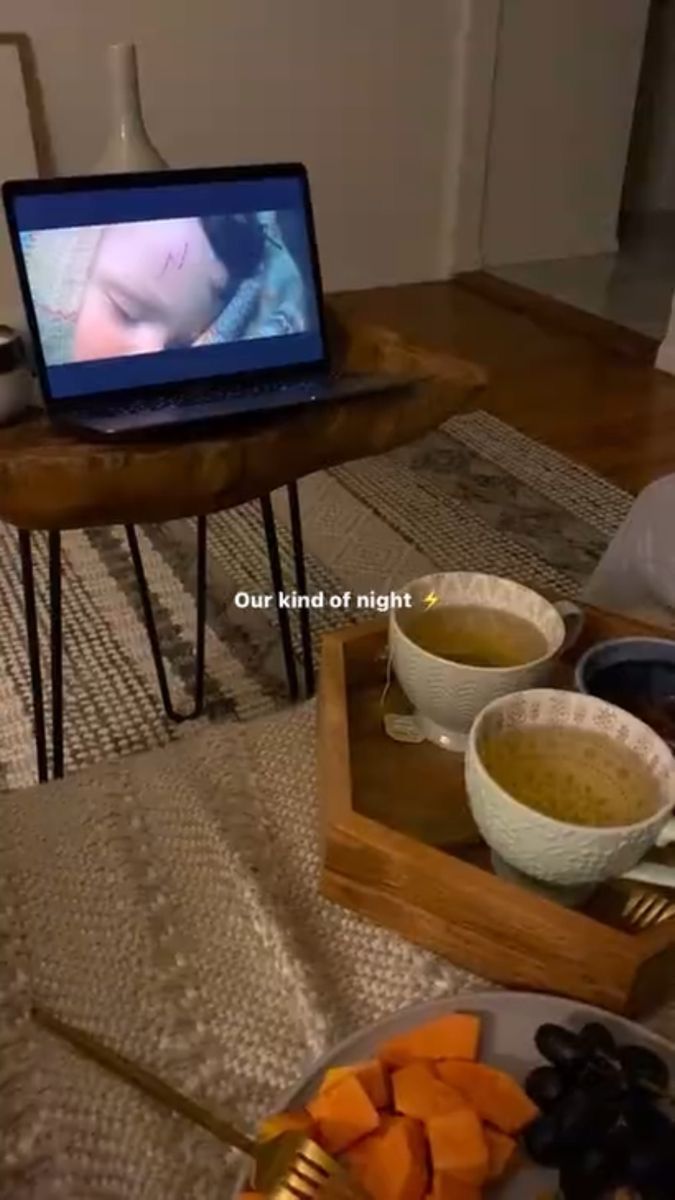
point(145, 286)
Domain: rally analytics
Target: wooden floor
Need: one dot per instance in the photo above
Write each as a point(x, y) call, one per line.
point(614, 415)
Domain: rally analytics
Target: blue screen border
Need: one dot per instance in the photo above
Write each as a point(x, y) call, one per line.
point(251, 178)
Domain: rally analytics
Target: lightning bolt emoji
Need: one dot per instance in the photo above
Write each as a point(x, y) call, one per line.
point(430, 600)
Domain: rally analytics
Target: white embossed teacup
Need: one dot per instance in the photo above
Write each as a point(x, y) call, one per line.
point(448, 690)
point(567, 789)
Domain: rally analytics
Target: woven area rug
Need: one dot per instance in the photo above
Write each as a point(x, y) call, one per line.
point(475, 494)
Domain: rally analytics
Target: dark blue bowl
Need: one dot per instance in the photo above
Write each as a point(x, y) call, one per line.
point(636, 673)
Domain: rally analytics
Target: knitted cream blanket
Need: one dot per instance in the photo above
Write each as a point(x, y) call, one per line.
point(168, 902)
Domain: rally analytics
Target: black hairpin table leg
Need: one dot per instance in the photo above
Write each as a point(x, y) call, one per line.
point(151, 628)
point(278, 586)
point(33, 646)
point(56, 648)
point(301, 584)
point(56, 652)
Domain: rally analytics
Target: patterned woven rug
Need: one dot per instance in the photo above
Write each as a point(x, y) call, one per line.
point(475, 494)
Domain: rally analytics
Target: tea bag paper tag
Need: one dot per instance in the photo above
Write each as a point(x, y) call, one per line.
point(401, 728)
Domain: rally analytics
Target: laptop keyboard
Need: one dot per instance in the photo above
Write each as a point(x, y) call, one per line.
point(185, 398)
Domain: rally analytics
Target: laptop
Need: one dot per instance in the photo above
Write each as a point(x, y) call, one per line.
point(174, 298)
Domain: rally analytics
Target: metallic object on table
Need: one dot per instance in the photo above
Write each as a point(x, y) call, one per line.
point(646, 908)
point(290, 1166)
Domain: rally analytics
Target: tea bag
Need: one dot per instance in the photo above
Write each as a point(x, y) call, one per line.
point(402, 727)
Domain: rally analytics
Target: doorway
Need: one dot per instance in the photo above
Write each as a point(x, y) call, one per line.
point(632, 282)
point(645, 270)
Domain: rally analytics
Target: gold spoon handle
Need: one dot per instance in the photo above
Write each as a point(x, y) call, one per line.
point(145, 1081)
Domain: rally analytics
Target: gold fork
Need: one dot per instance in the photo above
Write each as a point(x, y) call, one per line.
point(290, 1166)
point(645, 908)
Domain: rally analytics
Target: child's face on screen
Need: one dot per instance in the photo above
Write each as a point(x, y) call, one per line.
point(153, 285)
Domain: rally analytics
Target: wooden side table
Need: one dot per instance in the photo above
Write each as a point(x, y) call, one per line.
point(52, 481)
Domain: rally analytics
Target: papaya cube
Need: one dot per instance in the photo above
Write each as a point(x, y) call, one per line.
point(419, 1093)
point(458, 1146)
point(501, 1152)
point(446, 1187)
point(342, 1114)
point(283, 1122)
point(371, 1075)
point(391, 1163)
point(453, 1036)
point(494, 1095)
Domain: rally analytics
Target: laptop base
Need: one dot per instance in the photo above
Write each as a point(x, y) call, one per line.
point(190, 411)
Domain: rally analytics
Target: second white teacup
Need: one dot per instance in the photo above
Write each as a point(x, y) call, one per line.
point(580, 757)
point(448, 694)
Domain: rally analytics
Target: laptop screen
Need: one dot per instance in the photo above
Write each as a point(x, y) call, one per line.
point(179, 280)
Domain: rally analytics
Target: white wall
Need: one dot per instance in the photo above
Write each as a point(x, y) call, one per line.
point(650, 176)
point(358, 89)
point(469, 112)
point(565, 87)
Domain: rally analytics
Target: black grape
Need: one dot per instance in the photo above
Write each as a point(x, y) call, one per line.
point(603, 1124)
point(644, 1120)
point(643, 1068)
point(657, 1193)
point(601, 1075)
point(651, 1164)
point(559, 1045)
point(588, 1175)
point(615, 1141)
point(541, 1141)
point(582, 1118)
point(597, 1039)
point(544, 1086)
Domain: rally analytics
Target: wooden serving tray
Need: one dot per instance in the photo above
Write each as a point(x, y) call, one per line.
point(400, 847)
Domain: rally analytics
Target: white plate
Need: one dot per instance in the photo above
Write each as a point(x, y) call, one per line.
point(509, 1022)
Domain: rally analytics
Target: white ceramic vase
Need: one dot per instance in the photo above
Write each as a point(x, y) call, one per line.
point(129, 147)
